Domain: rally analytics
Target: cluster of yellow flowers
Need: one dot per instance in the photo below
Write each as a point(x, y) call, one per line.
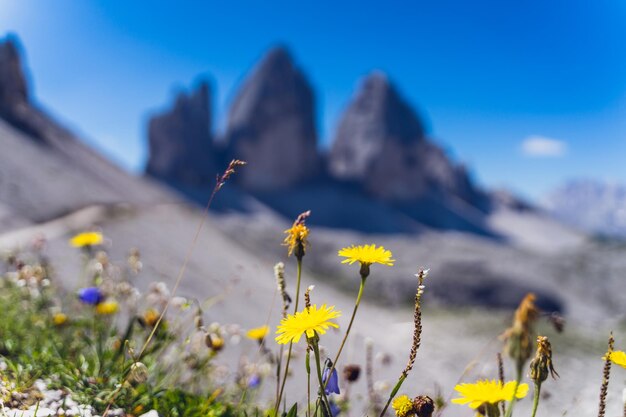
point(313, 320)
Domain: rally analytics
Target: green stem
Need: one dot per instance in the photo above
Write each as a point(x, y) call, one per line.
point(316, 350)
point(345, 337)
point(308, 382)
point(282, 387)
point(536, 399)
point(509, 411)
point(393, 393)
point(298, 276)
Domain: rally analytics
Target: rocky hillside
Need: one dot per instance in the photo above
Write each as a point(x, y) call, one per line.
point(45, 170)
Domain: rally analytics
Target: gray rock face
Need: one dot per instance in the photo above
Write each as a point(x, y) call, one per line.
point(13, 90)
point(181, 151)
point(381, 144)
point(271, 125)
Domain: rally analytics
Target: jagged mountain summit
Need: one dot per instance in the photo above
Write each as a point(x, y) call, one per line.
point(381, 143)
point(590, 205)
point(180, 141)
point(271, 125)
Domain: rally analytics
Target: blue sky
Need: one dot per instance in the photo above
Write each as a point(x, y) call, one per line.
point(528, 94)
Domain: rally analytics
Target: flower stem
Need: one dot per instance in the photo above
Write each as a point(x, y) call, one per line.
point(393, 393)
point(298, 276)
point(509, 411)
point(308, 382)
point(345, 337)
point(282, 387)
point(536, 399)
point(316, 351)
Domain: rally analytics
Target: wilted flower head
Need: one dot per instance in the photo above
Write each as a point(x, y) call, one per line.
point(86, 239)
point(296, 239)
point(90, 295)
point(423, 405)
point(520, 335)
point(351, 372)
point(542, 365)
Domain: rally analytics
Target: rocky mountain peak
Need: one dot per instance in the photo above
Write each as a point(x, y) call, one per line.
point(381, 144)
point(378, 114)
point(13, 88)
point(271, 125)
point(180, 140)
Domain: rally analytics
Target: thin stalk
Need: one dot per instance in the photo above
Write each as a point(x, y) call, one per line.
point(509, 411)
point(308, 382)
point(299, 275)
point(316, 351)
point(393, 393)
point(345, 337)
point(536, 399)
point(279, 361)
point(282, 387)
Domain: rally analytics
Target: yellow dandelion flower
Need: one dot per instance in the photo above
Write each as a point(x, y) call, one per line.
point(485, 391)
point(296, 236)
point(310, 321)
point(366, 255)
point(618, 357)
point(403, 406)
point(59, 319)
point(258, 333)
point(107, 307)
point(82, 240)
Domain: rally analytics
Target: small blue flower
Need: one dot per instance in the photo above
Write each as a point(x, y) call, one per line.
point(332, 386)
point(90, 295)
point(254, 381)
point(334, 409)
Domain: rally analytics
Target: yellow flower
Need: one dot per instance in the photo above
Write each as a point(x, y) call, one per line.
point(59, 319)
point(618, 357)
point(366, 255)
point(107, 307)
point(150, 317)
point(486, 391)
point(214, 342)
point(296, 235)
point(82, 240)
point(403, 405)
point(258, 333)
point(310, 321)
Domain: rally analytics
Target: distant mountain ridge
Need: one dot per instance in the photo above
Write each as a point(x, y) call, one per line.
point(380, 153)
point(590, 205)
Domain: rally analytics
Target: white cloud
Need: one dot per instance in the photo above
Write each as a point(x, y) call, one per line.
point(542, 147)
